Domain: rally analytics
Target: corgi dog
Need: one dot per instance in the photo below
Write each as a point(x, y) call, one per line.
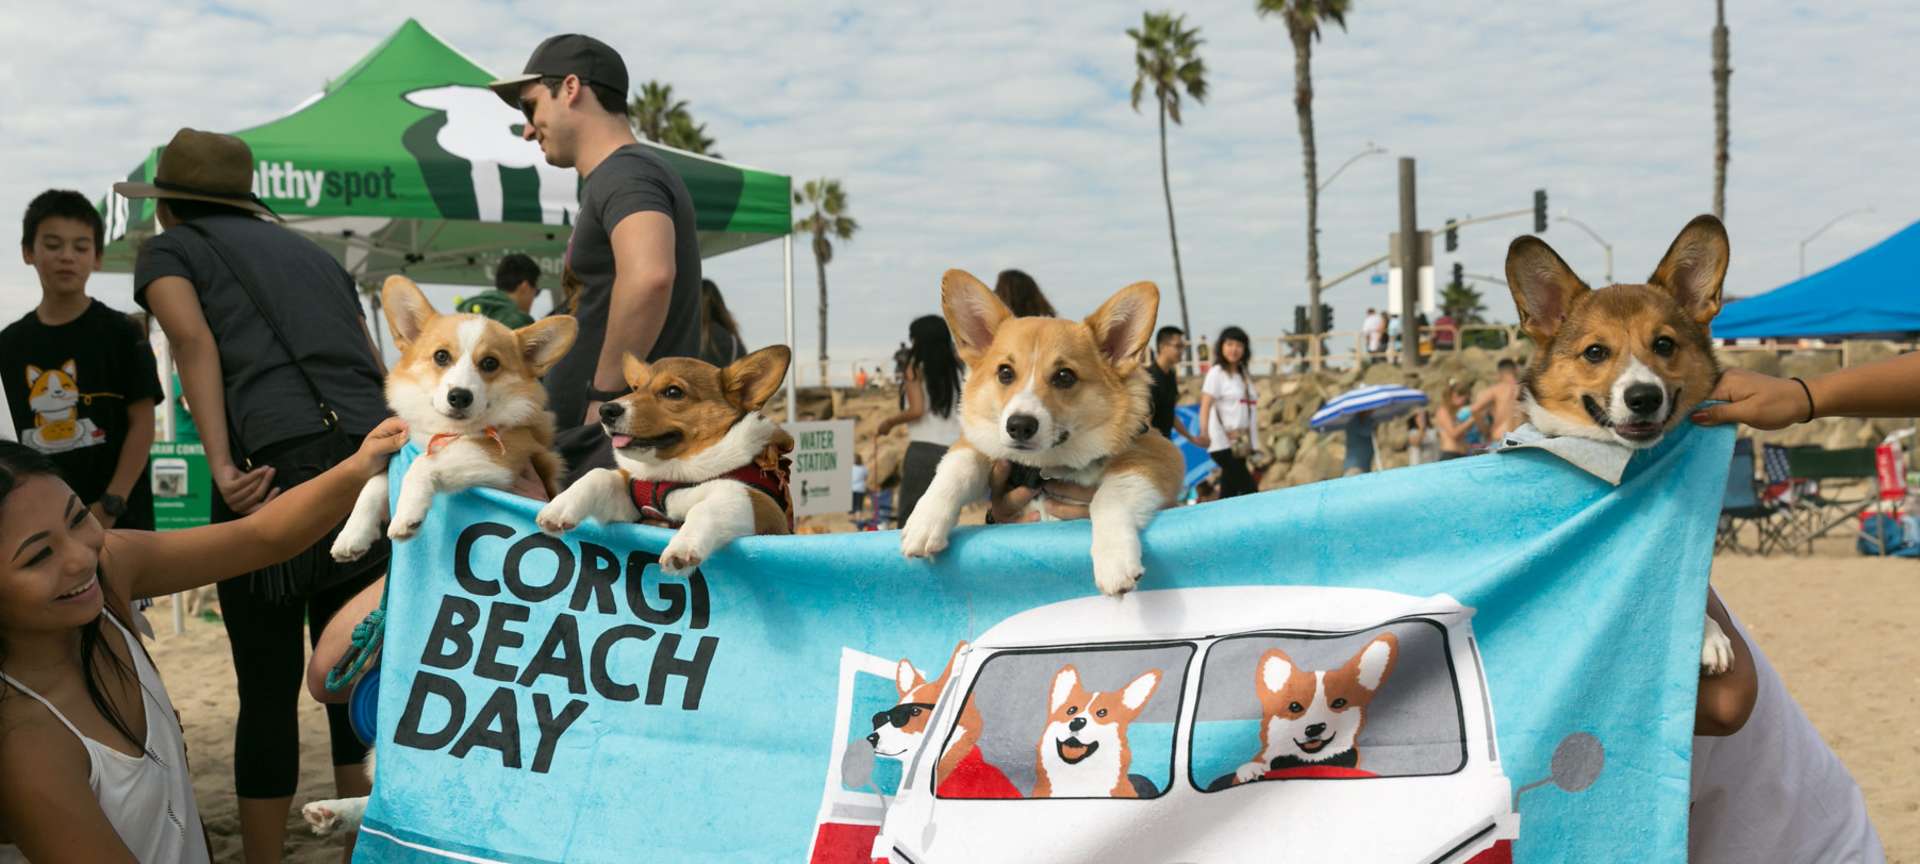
point(694, 451)
point(1623, 364)
point(898, 733)
point(1083, 751)
point(469, 389)
point(1313, 718)
point(337, 815)
point(1067, 398)
point(54, 397)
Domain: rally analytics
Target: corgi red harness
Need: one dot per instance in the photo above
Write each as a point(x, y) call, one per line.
point(651, 495)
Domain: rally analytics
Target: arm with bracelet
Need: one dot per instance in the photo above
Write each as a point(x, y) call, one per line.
point(1888, 388)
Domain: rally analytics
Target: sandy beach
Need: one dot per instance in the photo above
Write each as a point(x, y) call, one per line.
point(1829, 622)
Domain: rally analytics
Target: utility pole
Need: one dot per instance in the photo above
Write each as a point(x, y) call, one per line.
point(1409, 269)
point(1721, 75)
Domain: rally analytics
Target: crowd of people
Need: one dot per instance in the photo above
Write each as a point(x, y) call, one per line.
point(289, 407)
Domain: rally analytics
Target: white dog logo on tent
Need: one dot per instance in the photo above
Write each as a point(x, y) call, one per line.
point(479, 129)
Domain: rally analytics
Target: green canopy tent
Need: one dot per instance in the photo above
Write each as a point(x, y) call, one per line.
point(406, 163)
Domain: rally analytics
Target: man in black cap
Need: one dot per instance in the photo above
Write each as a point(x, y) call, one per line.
point(634, 248)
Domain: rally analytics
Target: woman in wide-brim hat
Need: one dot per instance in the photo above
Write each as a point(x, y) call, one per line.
point(276, 359)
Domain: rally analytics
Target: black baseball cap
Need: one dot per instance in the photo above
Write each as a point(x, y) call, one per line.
point(567, 54)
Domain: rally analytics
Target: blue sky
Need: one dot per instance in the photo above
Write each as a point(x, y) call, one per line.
point(996, 134)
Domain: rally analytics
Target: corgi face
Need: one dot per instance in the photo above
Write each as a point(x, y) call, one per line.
point(1624, 363)
point(1046, 392)
point(897, 732)
point(462, 373)
point(1083, 750)
point(1315, 716)
point(681, 406)
point(52, 390)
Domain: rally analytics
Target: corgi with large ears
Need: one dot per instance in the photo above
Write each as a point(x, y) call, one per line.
point(1068, 398)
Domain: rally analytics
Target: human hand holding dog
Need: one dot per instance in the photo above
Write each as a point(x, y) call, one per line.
point(1881, 389)
point(1758, 400)
point(1009, 503)
point(385, 440)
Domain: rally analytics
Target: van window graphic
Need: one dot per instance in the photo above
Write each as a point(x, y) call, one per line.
point(1381, 702)
point(1073, 722)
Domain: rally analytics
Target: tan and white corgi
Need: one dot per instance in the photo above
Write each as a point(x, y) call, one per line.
point(1068, 398)
point(694, 451)
point(1083, 752)
point(1313, 718)
point(469, 389)
point(1623, 364)
point(54, 397)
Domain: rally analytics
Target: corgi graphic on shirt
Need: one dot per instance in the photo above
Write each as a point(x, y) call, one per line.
point(55, 400)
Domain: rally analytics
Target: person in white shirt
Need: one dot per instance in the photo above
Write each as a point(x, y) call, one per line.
point(1229, 424)
point(859, 484)
point(1374, 330)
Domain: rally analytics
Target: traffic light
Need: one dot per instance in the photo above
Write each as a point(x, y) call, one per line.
point(1539, 211)
point(1453, 236)
point(1299, 319)
point(1459, 275)
point(1326, 318)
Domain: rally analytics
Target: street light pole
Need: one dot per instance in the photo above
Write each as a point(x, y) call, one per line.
point(1372, 150)
point(1596, 238)
point(1823, 229)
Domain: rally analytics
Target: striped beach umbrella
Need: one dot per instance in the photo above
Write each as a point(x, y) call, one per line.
point(1384, 400)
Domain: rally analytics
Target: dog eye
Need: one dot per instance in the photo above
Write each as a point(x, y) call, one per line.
point(1596, 353)
point(673, 392)
point(1295, 707)
point(1005, 374)
point(489, 364)
point(1073, 710)
point(1100, 713)
point(442, 358)
point(1663, 346)
point(1064, 379)
point(1339, 704)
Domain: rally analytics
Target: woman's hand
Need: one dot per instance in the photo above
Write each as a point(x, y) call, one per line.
point(244, 491)
point(1062, 500)
point(385, 440)
point(1760, 401)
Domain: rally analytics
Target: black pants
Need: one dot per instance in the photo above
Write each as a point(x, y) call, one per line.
point(916, 474)
point(1235, 479)
point(263, 631)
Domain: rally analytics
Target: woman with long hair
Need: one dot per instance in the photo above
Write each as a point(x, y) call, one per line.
point(932, 415)
point(1021, 294)
point(1229, 427)
point(92, 763)
point(720, 342)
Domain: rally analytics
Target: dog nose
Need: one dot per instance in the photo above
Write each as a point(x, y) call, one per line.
point(460, 397)
point(1314, 730)
point(873, 740)
point(1023, 426)
point(1645, 398)
point(611, 411)
point(1078, 724)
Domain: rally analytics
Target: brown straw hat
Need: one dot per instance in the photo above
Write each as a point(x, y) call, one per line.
point(202, 166)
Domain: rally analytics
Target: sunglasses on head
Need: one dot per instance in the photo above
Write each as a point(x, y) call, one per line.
point(900, 714)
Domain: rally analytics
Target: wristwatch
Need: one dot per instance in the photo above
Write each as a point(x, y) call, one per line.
point(113, 505)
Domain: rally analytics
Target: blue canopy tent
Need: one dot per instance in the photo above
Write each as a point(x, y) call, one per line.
point(1873, 293)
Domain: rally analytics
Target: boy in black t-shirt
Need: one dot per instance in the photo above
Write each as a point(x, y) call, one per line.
point(79, 376)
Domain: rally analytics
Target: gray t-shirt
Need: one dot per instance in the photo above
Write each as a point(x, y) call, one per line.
point(312, 299)
point(634, 179)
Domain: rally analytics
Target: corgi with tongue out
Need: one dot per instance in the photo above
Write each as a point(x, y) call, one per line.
point(694, 452)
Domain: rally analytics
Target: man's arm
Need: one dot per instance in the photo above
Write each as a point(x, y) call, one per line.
point(177, 307)
point(643, 273)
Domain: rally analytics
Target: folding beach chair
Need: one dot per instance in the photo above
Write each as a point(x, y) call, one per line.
point(1742, 504)
point(1818, 469)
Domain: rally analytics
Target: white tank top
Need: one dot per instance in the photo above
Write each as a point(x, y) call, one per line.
point(933, 428)
point(148, 801)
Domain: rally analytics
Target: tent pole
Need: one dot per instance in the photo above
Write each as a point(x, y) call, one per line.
point(793, 378)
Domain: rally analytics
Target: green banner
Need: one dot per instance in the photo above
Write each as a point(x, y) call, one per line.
point(182, 486)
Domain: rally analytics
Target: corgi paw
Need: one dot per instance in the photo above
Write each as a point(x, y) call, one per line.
point(353, 541)
point(1249, 772)
point(1716, 650)
point(925, 533)
point(1116, 572)
point(682, 555)
point(403, 530)
point(561, 515)
point(335, 815)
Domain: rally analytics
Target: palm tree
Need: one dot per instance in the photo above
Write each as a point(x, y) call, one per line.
point(827, 222)
point(684, 134)
point(1166, 57)
point(1462, 303)
point(1720, 75)
point(653, 110)
point(1303, 19)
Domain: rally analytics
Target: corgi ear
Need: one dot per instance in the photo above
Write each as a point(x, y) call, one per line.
point(905, 678)
point(34, 373)
point(634, 369)
point(1123, 325)
point(751, 380)
point(1065, 682)
point(407, 309)
point(1271, 673)
point(1543, 287)
point(1140, 690)
point(951, 660)
point(972, 313)
point(1695, 268)
point(1374, 662)
point(71, 368)
point(547, 340)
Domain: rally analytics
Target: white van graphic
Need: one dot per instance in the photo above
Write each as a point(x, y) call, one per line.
point(1204, 725)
